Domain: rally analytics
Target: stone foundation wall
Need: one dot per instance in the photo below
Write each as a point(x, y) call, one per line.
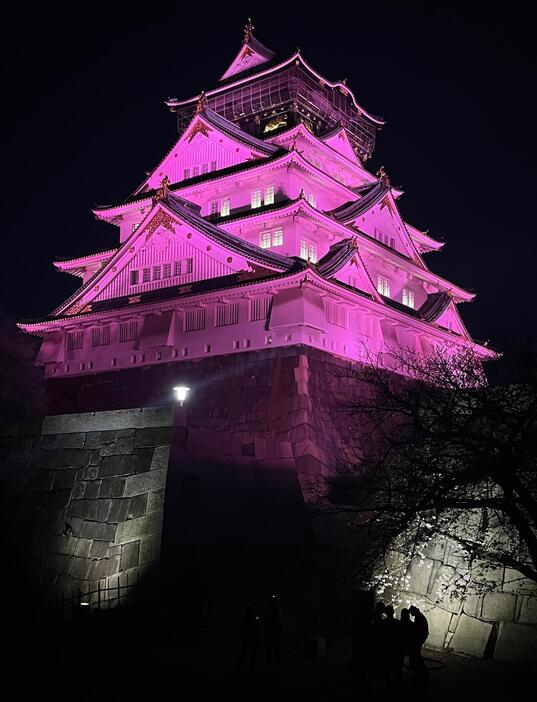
point(494, 614)
point(83, 498)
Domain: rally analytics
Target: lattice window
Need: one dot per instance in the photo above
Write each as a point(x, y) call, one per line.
point(194, 320)
point(146, 278)
point(277, 237)
point(226, 314)
point(256, 199)
point(157, 271)
point(408, 297)
point(225, 207)
point(167, 270)
point(128, 331)
point(134, 277)
point(336, 314)
point(100, 336)
point(186, 173)
point(259, 308)
point(269, 195)
point(75, 340)
point(308, 250)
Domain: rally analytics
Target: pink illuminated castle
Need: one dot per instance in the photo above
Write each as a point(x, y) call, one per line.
point(260, 227)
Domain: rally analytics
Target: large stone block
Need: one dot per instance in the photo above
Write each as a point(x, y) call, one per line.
point(124, 444)
point(438, 620)
point(96, 510)
point(145, 482)
point(472, 605)
point(528, 610)
point(129, 555)
point(420, 575)
point(64, 479)
point(80, 568)
point(118, 465)
point(70, 440)
point(471, 636)
point(516, 642)
point(152, 436)
point(516, 583)
point(105, 421)
point(112, 487)
point(498, 606)
point(150, 549)
point(155, 501)
point(161, 458)
point(104, 568)
point(98, 531)
point(92, 489)
point(66, 458)
point(139, 528)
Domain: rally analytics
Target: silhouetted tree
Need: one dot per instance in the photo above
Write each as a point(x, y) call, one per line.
point(444, 454)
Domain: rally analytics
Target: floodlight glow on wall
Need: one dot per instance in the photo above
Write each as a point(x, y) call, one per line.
point(181, 393)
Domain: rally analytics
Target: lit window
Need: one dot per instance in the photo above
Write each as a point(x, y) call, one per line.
point(135, 277)
point(186, 173)
point(256, 199)
point(146, 275)
point(128, 331)
point(135, 227)
point(194, 320)
point(269, 195)
point(225, 207)
point(265, 240)
point(383, 286)
point(308, 251)
point(167, 270)
point(226, 314)
point(75, 340)
point(156, 272)
point(310, 197)
point(408, 297)
point(214, 207)
point(100, 336)
point(277, 237)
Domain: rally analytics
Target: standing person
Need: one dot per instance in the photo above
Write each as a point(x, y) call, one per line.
point(407, 635)
point(391, 638)
point(250, 638)
point(273, 632)
point(376, 652)
point(421, 632)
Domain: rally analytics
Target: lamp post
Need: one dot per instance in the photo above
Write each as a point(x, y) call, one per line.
point(181, 393)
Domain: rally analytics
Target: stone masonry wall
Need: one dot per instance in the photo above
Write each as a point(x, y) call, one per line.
point(83, 497)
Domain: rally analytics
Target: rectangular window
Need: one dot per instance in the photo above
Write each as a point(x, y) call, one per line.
point(128, 331)
point(157, 272)
point(269, 195)
point(75, 340)
point(204, 168)
point(256, 199)
point(186, 268)
point(214, 207)
point(259, 308)
point(176, 268)
point(277, 237)
point(265, 239)
point(146, 275)
point(186, 173)
point(336, 314)
point(213, 165)
point(195, 171)
point(408, 297)
point(308, 250)
point(226, 314)
point(310, 197)
point(225, 207)
point(194, 319)
point(135, 277)
point(167, 270)
point(383, 286)
point(100, 336)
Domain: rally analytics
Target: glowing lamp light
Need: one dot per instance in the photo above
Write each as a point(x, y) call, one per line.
point(181, 393)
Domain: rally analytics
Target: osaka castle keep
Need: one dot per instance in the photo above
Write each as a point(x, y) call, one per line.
point(261, 227)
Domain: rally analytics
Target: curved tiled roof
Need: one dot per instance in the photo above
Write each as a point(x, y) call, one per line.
point(434, 306)
point(371, 194)
point(338, 255)
point(235, 132)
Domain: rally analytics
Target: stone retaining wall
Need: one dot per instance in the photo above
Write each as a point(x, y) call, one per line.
point(84, 497)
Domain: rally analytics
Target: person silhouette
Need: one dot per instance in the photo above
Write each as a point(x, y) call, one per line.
point(273, 631)
point(421, 632)
point(407, 634)
point(250, 632)
point(391, 639)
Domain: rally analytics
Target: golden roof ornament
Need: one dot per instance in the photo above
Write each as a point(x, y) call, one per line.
point(202, 103)
point(383, 176)
point(248, 31)
point(163, 191)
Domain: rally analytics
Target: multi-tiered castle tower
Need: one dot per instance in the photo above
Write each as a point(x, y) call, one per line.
point(261, 227)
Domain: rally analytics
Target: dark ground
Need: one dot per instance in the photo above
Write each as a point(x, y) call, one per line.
point(129, 655)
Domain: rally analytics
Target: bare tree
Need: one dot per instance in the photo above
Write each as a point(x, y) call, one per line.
point(445, 454)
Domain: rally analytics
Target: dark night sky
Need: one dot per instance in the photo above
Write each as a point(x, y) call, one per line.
point(84, 119)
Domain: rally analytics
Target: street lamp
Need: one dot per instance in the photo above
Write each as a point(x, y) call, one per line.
point(181, 393)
